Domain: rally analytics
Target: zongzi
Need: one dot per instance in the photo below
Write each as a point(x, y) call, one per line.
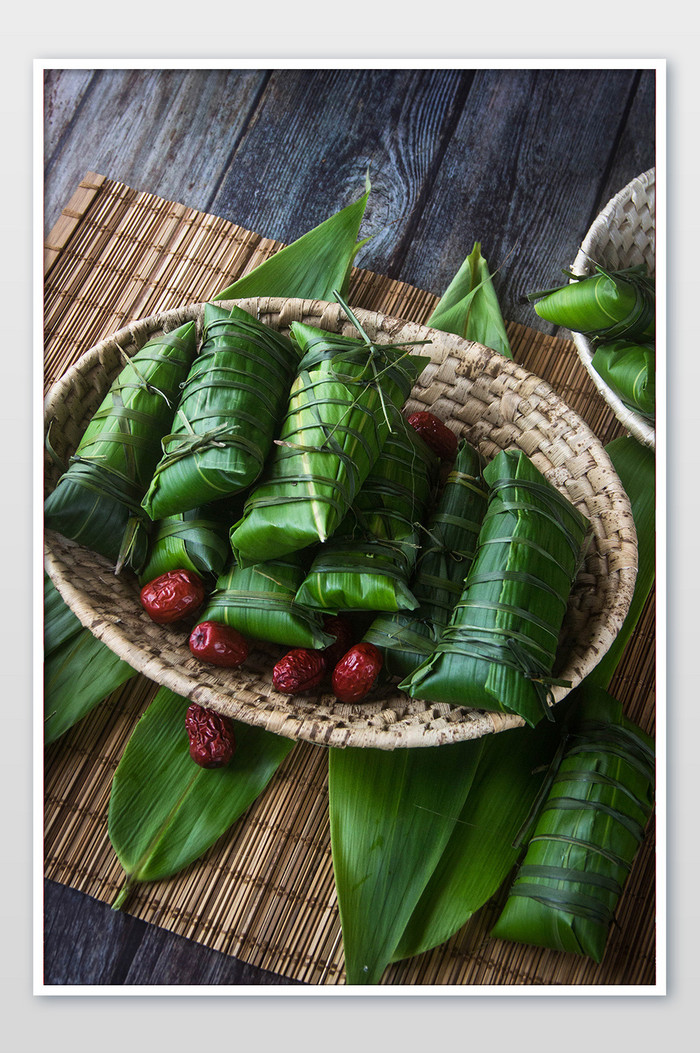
point(229, 410)
point(498, 651)
point(97, 501)
point(336, 425)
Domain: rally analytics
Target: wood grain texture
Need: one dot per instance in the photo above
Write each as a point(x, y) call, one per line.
point(171, 132)
point(88, 943)
point(522, 175)
point(519, 159)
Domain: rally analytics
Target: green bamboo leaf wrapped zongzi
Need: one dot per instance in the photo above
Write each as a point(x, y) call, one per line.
point(97, 501)
point(605, 305)
point(229, 410)
point(470, 309)
point(368, 562)
point(194, 540)
point(259, 602)
point(628, 370)
point(587, 834)
point(447, 551)
point(498, 651)
point(335, 428)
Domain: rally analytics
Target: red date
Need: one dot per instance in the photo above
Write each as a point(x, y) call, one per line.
point(212, 739)
point(441, 439)
point(356, 673)
point(300, 670)
point(344, 635)
point(218, 644)
point(172, 596)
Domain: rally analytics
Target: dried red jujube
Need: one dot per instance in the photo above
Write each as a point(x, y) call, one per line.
point(172, 596)
point(212, 738)
point(441, 439)
point(356, 673)
point(218, 644)
point(336, 625)
point(299, 670)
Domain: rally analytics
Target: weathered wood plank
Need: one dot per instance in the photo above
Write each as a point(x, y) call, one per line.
point(316, 132)
point(635, 152)
point(169, 132)
point(88, 943)
point(522, 174)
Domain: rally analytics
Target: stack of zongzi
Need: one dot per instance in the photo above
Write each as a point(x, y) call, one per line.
point(228, 413)
point(367, 564)
point(97, 502)
point(498, 651)
point(336, 425)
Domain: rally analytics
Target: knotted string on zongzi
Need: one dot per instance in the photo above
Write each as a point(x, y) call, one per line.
point(447, 550)
point(259, 602)
point(586, 835)
point(97, 502)
point(337, 422)
point(367, 564)
point(227, 415)
point(498, 650)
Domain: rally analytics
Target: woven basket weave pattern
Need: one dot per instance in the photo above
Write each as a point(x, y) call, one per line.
point(492, 402)
point(623, 235)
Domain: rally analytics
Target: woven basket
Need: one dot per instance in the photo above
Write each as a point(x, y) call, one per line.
point(623, 235)
point(490, 400)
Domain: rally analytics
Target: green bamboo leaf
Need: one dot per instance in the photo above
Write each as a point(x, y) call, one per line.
point(164, 810)
point(60, 624)
point(311, 267)
point(636, 466)
point(391, 815)
point(470, 307)
point(78, 675)
point(481, 852)
point(628, 369)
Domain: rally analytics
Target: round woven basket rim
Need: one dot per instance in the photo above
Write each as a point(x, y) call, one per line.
point(598, 233)
point(393, 720)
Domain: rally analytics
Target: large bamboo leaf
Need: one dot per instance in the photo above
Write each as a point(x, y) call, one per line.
point(391, 815)
point(311, 267)
point(481, 850)
point(165, 810)
point(470, 307)
point(70, 650)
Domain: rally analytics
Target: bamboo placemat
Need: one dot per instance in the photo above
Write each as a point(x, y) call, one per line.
point(265, 891)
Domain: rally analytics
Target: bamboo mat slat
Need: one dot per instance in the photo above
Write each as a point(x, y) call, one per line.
point(265, 892)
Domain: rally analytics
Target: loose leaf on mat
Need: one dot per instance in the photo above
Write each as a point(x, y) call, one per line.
point(70, 650)
point(311, 267)
point(165, 811)
point(391, 815)
point(470, 307)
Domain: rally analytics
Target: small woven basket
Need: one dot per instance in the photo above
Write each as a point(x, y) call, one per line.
point(488, 399)
point(623, 235)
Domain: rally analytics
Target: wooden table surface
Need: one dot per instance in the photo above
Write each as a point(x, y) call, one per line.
point(521, 160)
